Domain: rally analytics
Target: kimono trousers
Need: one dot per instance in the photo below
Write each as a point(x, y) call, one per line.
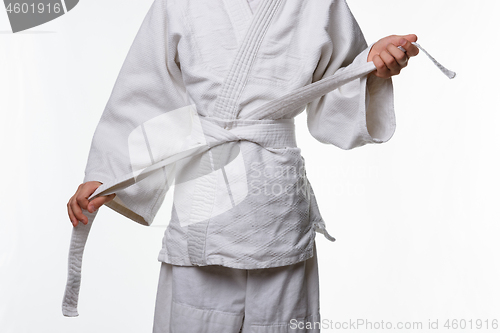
point(205, 102)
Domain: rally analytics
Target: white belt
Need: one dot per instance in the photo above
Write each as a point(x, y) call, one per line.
point(267, 119)
point(267, 133)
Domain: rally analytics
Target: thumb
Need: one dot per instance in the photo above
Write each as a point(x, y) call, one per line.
point(401, 40)
point(411, 38)
point(96, 203)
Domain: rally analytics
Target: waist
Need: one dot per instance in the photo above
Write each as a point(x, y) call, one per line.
point(267, 133)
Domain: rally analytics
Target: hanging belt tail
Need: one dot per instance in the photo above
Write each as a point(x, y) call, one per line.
point(78, 239)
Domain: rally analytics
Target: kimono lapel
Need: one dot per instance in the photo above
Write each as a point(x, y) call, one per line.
point(226, 105)
point(241, 16)
point(219, 183)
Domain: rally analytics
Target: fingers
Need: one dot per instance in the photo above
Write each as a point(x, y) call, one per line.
point(80, 201)
point(72, 216)
point(400, 56)
point(406, 43)
point(76, 209)
point(386, 64)
point(388, 58)
point(96, 203)
point(411, 37)
point(391, 62)
point(382, 70)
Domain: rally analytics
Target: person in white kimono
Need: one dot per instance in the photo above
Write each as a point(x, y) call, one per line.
point(239, 252)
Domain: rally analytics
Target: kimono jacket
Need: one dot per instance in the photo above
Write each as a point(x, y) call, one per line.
point(205, 102)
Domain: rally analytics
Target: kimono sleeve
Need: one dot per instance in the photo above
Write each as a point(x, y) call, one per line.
point(361, 111)
point(148, 85)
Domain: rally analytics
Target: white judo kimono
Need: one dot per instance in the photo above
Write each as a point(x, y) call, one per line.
point(205, 103)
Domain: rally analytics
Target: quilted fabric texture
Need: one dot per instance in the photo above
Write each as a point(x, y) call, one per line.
point(178, 59)
point(205, 102)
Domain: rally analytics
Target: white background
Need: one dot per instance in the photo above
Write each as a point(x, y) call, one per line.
point(416, 218)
